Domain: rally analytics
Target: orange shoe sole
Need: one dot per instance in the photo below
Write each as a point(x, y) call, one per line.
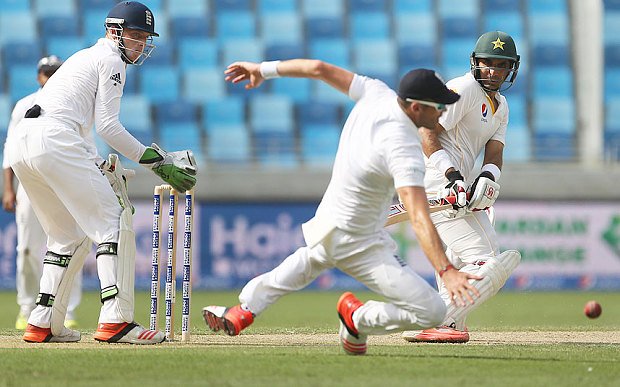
point(112, 332)
point(34, 334)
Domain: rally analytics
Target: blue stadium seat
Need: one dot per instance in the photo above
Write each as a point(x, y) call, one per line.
point(553, 115)
point(375, 56)
point(229, 144)
point(131, 81)
point(266, 7)
point(417, 55)
point(546, 6)
point(154, 5)
point(501, 5)
point(450, 72)
point(550, 55)
point(22, 81)
point(612, 146)
point(21, 54)
point(93, 24)
point(366, 6)
point(518, 144)
point(323, 8)
point(459, 8)
point(369, 25)
point(275, 149)
point(190, 27)
point(196, 52)
point(280, 51)
point(232, 5)
point(416, 6)
point(611, 27)
point(319, 144)
point(335, 51)
point(324, 27)
point(55, 8)
point(612, 56)
point(416, 28)
point(612, 5)
point(59, 26)
point(221, 112)
point(203, 84)
point(178, 111)
point(187, 8)
point(17, 27)
point(456, 52)
point(162, 55)
point(244, 49)
point(282, 27)
point(612, 83)
point(162, 24)
point(104, 5)
point(323, 92)
point(554, 147)
point(548, 29)
point(297, 89)
point(612, 115)
point(460, 28)
point(509, 22)
point(552, 81)
point(177, 136)
point(271, 113)
point(317, 113)
point(235, 25)
point(11, 6)
point(160, 83)
point(518, 112)
point(5, 113)
point(135, 114)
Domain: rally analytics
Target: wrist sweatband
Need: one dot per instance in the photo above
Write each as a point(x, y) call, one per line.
point(269, 69)
point(441, 161)
point(494, 169)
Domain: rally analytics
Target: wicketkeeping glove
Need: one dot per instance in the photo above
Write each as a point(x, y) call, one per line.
point(175, 168)
point(483, 192)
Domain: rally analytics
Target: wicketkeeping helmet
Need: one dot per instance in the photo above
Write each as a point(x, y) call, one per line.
point(136, 16)
point(495, 45)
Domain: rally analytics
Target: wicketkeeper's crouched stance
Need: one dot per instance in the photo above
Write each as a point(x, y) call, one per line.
point(77, 196)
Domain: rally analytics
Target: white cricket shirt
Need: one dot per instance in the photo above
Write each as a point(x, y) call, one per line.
point(379, 151)
point(16, 115)
point(470, 123)
point(87, 89)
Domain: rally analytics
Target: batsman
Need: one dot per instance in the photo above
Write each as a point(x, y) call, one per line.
point(79, 197)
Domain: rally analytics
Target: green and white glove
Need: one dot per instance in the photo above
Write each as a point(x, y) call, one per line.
point(175, 168)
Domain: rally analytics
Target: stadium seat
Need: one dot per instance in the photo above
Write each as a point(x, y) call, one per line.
point(612, 115)
point(266, 7)
point(356, 6)
point(518, 144)
point(190, 27)
point(22, 81)
point(416, 28)
point(550, 55)
point(14, 6)
point(612, 5)
point(319, 144)
point(154, 5)
point(198, 52)
point(279, 51)
point(282, 27)
point(501, 5)
point(412, 6)
point(460, 28)
point(554, 147)
point(317, 113)
point(243, 49)
point(369, 25)
point(203, 84)
point(5, 113)
point(59, 26)
point(612, 83)
point(177, 136)
point(612, 56)
point(162, 55)
point(412, 56)
point(296, 89)
point(553, 115)
point(229, 144)
point(459, 8)
point(104, 5)
point(518, 111)
point(21, 54)
point(221, 112)
point(17, 27)
point(552, 81)
point(235, 25)
point(160, 83)
point(323, 8)
point(611, 27)
point(93, 24)
point(55, 8)
point(324, 27)
point(64, 47)
point(191, 8)
point(132, 79)
point(271, 113)
point(178, 111)
point(323, 92)
point(456, 52)
point(335, 51)
point(612, 146)
point(232, 5)
point(546, 6)
point(135, 114)
point(275, 149)
point(509, 22)
point(375, 56)
point(548, 29)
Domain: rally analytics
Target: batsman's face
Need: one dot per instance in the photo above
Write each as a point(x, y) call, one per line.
point(134, 42)
point(493, 72)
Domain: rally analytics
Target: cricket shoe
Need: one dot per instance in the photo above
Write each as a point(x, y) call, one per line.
point(353, 342)
point(22, 322)
point(442, 334)
point(35, 334)
point(131, 333)
point(231, 320)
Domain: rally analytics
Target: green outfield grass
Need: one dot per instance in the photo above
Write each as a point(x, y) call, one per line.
point(227, 362)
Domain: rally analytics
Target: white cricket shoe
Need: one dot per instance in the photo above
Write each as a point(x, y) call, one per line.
point(35, 334)
point(131, 333)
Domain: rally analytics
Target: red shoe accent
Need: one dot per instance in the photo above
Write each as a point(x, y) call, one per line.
point(34, 334)
point(441, 335)
point(111, 332)
point(347, 304)
point(231, 320)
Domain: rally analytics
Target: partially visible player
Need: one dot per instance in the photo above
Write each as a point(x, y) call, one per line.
point(379, 153)
point(30, 235)
point(55, 159)
point(476, 123)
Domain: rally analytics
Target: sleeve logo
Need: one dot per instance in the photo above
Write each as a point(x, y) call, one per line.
point(116, 78)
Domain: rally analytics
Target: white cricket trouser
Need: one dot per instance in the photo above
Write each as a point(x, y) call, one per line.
point(30, 241)
point(469, 241)
point(412, 302)
point(71, 198)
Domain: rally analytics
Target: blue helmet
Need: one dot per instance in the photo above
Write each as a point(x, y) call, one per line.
point(133, 15)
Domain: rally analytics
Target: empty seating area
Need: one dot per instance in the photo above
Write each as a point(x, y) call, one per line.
point(179, 98)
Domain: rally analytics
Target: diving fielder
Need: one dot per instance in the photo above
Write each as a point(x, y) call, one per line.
point(54, 156)
point(476, 123)
point(30, 236)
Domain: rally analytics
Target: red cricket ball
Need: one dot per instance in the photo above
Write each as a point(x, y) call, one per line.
point(592, 309)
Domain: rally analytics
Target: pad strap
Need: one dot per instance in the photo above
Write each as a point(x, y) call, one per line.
point(45, 299)
point(52, 258)
point(107, 248)
point(108, 293)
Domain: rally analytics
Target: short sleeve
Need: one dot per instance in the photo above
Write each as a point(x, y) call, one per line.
point(362, 86)
point(403, 155)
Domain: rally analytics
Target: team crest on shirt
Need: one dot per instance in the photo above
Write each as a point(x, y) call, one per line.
point(116, 78)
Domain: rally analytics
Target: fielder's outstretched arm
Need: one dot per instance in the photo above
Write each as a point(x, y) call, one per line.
point(256, 73)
